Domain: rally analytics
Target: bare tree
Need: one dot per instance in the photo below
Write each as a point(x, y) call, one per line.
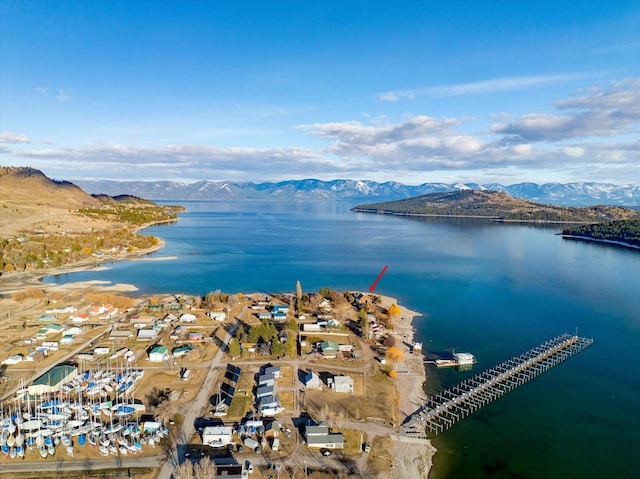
point(205, 469)
point(184, 470)
point(165, 410)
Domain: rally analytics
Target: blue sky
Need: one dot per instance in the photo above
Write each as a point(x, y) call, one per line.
point(424, 91)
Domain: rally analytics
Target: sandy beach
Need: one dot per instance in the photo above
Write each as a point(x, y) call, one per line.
point(412, 457)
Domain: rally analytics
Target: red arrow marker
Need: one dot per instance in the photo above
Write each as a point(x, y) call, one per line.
point(373, 286)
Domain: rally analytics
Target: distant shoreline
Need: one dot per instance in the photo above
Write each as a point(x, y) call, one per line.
point(598, 240)
point(479, 217)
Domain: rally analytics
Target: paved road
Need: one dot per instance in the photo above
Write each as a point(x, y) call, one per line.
point(88, 465)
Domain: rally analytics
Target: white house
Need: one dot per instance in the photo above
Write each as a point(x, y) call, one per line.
point(188, 318)
point(217, 315)
point(15, 359)
point(311, 327)
point(217, 436)
point(158, 354)
point(312, 380)
point(341, 384)
point(146, 334)
point(319, 436)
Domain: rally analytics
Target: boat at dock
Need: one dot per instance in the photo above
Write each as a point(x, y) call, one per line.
point(463, 360)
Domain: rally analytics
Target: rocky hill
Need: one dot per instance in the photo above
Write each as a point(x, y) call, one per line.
point(495, 205)
point(30, 202)
point(358, 191)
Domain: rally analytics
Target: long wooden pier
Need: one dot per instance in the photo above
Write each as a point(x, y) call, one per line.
point(447, 408)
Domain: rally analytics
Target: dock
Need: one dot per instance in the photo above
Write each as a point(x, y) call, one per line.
point(440, 412)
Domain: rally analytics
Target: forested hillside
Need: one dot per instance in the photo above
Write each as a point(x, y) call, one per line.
point(495, 205)
point(623, 231)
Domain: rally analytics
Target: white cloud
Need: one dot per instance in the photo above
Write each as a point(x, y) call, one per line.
point(42, 89)
point(600, 113)
point(573, 151)
point(64, 95)
point(486, 86)
point(10, 137)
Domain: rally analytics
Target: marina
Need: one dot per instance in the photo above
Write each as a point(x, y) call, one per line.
point(64, 410)
point(452, 405)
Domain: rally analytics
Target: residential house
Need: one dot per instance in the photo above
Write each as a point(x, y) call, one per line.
point(147, 334)
point(275, 370)
point(120, 334)
point(341, 384)
point(311, 327)
point(188, 318)
point(194, 336)
point(319, 436)
point(329, 349)
point(49, 329)
point(312, 380)
point(158, 354)
point(181, 351)
point(15, 359)
point(268, 402)
point(265, 391)
point(217, 315)
point(217, 436)
point(266, 380)
point(79, 317)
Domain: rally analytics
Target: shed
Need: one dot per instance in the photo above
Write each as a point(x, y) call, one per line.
point(251, 443)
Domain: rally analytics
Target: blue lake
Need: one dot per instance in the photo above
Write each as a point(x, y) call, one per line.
point(491, 289)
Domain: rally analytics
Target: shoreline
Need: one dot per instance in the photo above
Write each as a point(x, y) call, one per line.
point(12, 282)
point(413, 458)
point(621, 244)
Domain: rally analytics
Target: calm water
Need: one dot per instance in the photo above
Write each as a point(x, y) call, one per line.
point(492, 289)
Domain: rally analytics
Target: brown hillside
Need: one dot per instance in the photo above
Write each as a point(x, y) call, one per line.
point(30, 201)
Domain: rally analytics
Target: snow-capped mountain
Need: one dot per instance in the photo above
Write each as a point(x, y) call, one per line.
point(569, 194)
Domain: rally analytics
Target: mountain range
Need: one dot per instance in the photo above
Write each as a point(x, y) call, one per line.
point(567, 194)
